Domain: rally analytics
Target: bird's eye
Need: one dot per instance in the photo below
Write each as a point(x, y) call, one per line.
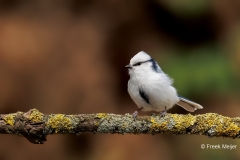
point(138, 64)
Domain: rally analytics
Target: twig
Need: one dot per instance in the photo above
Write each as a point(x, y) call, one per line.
point(35, 126)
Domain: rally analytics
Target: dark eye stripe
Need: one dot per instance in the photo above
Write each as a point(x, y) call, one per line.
point(137, 64)
point(155, 66)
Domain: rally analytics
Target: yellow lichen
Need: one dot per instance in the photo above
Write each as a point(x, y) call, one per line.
point(231, 128)
point(181, 122)
point(156, 125)
point(36, 116)
point(9, 119)
point(101, 115)
point(206, 120)
point(60, 121)
point(220, 125)
point(152, 120)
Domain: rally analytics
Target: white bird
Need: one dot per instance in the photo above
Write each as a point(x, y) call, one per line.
point(151, 89)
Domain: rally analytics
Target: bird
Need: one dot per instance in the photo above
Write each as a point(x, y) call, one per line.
point(151, 89)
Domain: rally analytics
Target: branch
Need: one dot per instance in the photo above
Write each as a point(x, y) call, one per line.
point(35, 126)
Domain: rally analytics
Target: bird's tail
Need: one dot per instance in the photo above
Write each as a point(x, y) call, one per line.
point(188, 105)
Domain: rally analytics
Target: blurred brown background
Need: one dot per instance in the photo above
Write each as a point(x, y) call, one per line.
point(68, 56)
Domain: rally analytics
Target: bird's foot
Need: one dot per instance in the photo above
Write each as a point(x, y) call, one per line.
point(163, 113)
point(134, 115)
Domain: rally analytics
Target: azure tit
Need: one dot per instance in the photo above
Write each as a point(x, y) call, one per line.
point(151, 89)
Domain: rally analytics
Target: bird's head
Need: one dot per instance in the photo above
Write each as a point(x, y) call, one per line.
point(142, 63)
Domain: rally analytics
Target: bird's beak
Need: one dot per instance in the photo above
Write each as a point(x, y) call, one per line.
point(128, 66)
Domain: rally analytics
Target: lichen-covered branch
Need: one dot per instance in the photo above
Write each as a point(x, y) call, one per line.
point(35, 126)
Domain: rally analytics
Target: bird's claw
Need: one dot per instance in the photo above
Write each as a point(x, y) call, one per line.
point(163, 113)
point(134, 115)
